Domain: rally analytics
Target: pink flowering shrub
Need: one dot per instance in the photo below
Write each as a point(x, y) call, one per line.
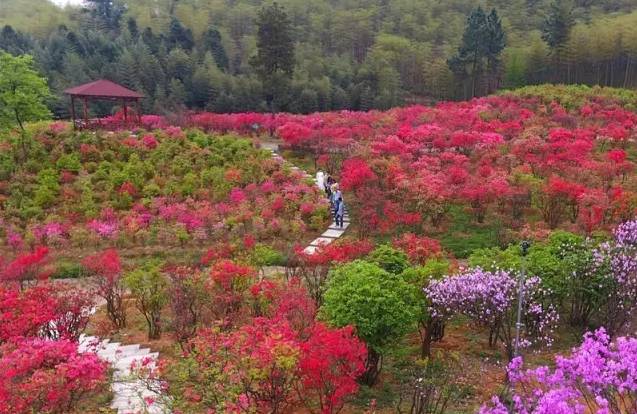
point(47, 376)
point(598, 377)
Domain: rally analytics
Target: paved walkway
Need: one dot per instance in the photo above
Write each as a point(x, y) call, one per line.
point(133, 396)
point(130, 396)
point(333, 232)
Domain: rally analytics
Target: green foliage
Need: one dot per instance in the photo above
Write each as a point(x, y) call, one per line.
point(482, 43)
point(463, 235)
point(391, 260)
point(381, 306)
point(68, 270)
point(47, 188)
point(149, 287)
point(558, 24)
point(575, 96)
point(193, 53)
point(264, 255)
point(274, 61)
point(433, 269)
point(22, 91)
point(69, 162)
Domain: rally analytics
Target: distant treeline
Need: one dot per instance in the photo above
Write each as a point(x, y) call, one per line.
point(359, 54)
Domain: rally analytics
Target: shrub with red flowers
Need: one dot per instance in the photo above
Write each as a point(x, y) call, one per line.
point(47, 376)
point(313, 268)
point(418, 248)
point(265, 366)
point(331, 361)
point(107, 269)
point(25, 313)
point(27, 266)
point(229, 284)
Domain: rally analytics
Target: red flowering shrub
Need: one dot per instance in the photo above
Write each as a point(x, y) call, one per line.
point(356, 172)
point(264, 366)
point(27, 266)
point(313, 268)
point(41, 376)
point(229, 286)
point(419, 249)
point(25, 313)
point(107, 269)
point(331, 362)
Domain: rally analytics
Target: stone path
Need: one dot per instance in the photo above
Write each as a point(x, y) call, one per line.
point(333, 232)
point(130, 396)
point(133, 396)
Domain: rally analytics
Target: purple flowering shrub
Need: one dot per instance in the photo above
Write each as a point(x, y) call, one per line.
point(490, 300)
point(599, 377)
point(617, 261)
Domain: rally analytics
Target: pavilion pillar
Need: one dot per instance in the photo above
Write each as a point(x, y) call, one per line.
point(85, 112)
point(73, 112)
point(139, 112)
point(125, 111)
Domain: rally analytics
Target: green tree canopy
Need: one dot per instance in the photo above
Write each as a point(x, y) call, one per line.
point(274, 61)
point(558, 25)
point(380, 305)
point(23, 91)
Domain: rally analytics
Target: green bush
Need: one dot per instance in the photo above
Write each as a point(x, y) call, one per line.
point(69, 162)
point(67, 270)
point(391, 260)
point(264, 255)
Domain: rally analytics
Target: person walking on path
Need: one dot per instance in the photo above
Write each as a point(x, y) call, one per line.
point(329, 182)
point(320, 180)
point(337, 197)
point(340, 213)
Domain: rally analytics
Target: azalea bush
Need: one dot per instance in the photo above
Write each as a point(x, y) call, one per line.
point(598, 377)
point(272, 363)
point(107, 268)
point(616, 261)
point(149, 287)
point(105, 190)
point(489, 299)
point(47, 376)
point(313, 268)
point(505, 157)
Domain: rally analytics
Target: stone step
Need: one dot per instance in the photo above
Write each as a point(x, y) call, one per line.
point(333, 233)
point(124, 364)
point(321, 241)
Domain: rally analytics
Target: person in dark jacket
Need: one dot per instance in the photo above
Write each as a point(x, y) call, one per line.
point(340, 212)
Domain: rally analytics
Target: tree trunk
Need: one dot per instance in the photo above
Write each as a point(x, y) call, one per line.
point(373, 365)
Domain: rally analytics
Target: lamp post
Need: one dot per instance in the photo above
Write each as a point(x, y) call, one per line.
point(524, 247)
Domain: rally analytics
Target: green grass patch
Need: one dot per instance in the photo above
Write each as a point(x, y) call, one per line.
point(463, 235)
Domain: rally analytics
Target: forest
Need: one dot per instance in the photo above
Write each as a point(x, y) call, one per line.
point(366, 54)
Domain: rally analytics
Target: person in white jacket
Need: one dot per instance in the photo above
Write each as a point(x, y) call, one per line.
point(320, 180)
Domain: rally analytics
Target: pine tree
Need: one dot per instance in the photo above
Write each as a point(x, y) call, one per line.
point(177, 95)
point(212, 43)
point(558, 24)
point(496, 41)
point(107, 13)
point(179, 36)
point(274, 61)
point(483, 38)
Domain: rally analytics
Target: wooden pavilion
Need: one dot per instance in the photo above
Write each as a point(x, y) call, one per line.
point(103, 90)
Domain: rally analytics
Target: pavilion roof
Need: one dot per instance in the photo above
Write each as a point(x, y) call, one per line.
point(103, 89)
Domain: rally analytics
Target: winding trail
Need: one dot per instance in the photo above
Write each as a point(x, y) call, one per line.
point(333, 232)
point(133, 396)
